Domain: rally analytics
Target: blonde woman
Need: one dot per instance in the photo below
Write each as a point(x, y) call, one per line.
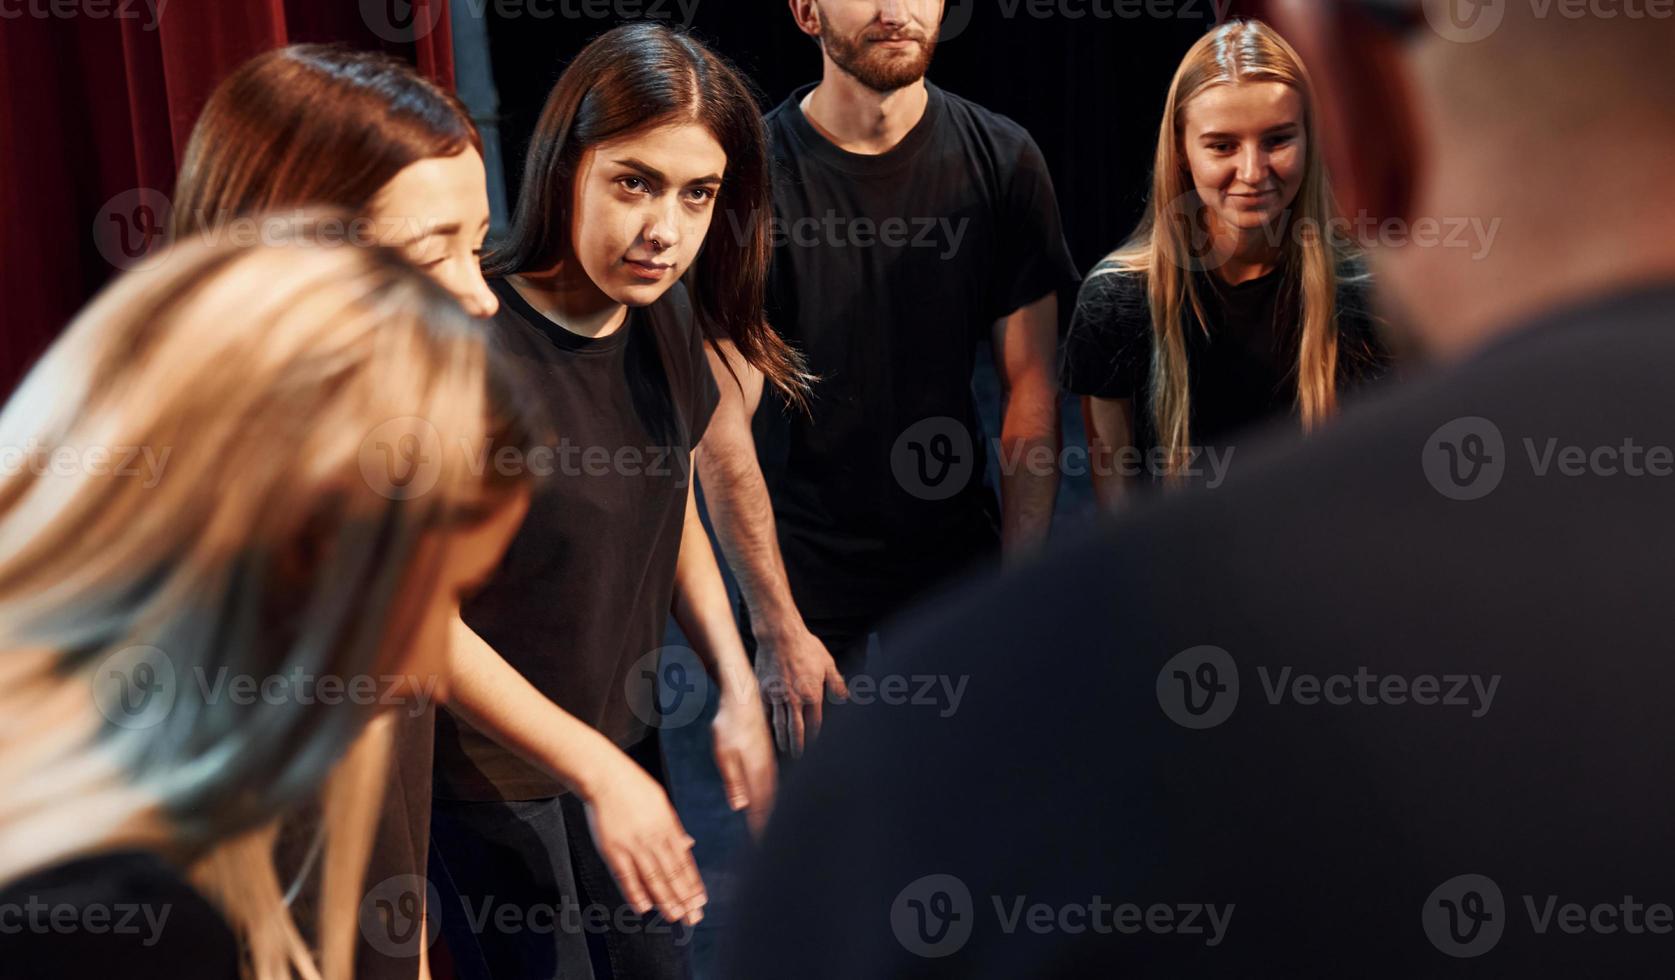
point(1231, 304)
point(190, 513)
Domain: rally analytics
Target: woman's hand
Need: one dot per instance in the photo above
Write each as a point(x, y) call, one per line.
point(644, 844)
point(744, 752)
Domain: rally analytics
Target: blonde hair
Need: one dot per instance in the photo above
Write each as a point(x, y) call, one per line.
point(264, 541)
point(1170, 241)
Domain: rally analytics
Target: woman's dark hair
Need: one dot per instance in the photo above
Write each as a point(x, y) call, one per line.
point(635, 78)
point(312, 124)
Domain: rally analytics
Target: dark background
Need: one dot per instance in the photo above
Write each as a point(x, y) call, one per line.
point(1089, 89)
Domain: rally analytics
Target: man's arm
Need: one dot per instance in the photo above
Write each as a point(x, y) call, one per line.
point(794, 667)
point(1110, 425)
point(634, 825)
point(743, 748)
point(1026, 345)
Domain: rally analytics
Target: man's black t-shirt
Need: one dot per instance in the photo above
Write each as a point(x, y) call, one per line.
point(1241, 369)
point(583, 594)
point(1394, 704)
point(888, 271)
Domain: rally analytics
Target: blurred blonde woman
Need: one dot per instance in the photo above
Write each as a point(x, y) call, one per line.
point(190, 513)
point(1232, 304)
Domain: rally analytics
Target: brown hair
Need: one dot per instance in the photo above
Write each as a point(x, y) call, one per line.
point(312, 124)
point(632, 79)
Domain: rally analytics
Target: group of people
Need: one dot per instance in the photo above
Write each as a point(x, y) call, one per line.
point(354, 405)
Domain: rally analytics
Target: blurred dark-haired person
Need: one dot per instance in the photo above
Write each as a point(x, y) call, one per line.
point(1394, 702)
point(1234, 303)
point(246, 541)
point(311, 125)
point(911, 227)
point(649, 152)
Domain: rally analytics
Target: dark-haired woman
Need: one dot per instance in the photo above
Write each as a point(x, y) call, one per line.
point(640, 234)
point(311, 125)
point(1232, 304)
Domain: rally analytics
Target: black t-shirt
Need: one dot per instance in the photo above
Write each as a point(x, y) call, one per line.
point(1394, 703)
point(1241, 371)
point(584, 591)
point(120, 914)
point(888, 272)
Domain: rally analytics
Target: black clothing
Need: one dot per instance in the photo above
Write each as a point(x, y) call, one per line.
point(583, 594)
point(1241, 370)
point(126, 913)
point(888, 271)
point(1510, 620)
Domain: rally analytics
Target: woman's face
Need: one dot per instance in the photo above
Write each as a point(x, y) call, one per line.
point(465, 557)
point(642, 207)
point(436, 211)
point(1245, 146)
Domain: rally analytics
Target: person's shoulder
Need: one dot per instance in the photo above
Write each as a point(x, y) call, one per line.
point(1113, 286)
point(1012, 146)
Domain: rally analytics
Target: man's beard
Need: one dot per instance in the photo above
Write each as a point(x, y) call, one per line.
point(881, 71)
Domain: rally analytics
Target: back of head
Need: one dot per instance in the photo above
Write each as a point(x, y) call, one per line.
point(226, 471)
point(1541, 130)
point(312, 124)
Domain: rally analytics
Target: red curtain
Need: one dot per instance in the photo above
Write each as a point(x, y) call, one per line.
point(97, 99)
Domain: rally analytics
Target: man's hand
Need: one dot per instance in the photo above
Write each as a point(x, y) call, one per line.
point(645, 846)
point(796, 672)
point(745, 755)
